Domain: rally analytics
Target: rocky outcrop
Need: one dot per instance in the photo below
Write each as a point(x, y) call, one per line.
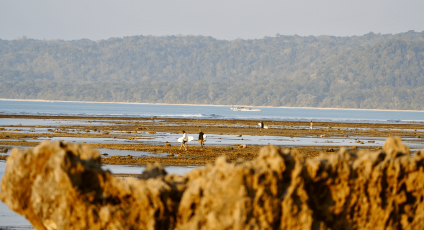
point(61, 186)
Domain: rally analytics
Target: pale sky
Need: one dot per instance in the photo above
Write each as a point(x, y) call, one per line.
point(221, 19)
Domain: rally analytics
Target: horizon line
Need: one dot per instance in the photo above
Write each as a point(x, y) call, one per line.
point(24, 37)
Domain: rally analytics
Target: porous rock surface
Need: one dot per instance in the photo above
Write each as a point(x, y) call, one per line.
point(62, 186)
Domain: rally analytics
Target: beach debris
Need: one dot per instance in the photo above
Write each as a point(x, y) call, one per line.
point(62, 186)
point(128, 157)
point(242, 146)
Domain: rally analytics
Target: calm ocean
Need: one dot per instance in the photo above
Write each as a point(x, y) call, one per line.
point(198, 111)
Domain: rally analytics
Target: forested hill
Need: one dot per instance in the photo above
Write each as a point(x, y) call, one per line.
point(372, 71)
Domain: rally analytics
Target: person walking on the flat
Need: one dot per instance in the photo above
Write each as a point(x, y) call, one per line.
point(201, 138)
point(311, 127)
point(183, 143)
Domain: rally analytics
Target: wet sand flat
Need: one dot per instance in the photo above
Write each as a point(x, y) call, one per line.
point(145, 140)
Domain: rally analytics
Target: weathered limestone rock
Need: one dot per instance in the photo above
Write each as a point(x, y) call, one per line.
point(61, 186)
point(394, 146)
point(246, 195)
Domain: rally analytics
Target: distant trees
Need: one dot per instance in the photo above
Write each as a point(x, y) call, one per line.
point(370, 71)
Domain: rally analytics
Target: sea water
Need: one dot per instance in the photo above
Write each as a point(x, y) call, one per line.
point(8, 218)
point(206, 112)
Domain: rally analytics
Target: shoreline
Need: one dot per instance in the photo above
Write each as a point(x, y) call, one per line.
point(276, 107)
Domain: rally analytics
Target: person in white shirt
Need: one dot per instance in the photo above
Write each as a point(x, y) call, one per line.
point(183, 143)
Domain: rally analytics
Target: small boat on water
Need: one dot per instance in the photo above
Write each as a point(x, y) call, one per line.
point(233, 108)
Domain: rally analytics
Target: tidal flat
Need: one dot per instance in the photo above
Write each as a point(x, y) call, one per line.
point(128, 145)
point(141, 141)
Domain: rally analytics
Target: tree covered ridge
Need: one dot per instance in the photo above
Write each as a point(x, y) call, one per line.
point(371, 71)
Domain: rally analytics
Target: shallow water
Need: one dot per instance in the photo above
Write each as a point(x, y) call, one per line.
point(116, 152)
point(83, 140)
point(134, 169)
point(229, 140)
point(208, 112)
point(8, 217)
point(17, 122)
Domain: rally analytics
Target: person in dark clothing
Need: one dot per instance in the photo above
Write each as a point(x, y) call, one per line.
point(262, 124)
point(201, 138)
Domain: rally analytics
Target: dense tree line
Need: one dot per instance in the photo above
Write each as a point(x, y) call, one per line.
point(371, 71)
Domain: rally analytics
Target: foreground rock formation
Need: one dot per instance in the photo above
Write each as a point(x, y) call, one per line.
point(62, 186)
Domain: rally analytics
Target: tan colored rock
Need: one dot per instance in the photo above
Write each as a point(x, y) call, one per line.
point(236, 196)
point(62, 186)
point(394, 146)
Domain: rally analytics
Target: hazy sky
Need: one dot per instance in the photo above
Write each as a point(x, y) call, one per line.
point(222, 19)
